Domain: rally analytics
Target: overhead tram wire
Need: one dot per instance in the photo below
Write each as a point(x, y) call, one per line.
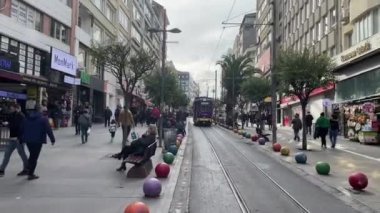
point(221, 33)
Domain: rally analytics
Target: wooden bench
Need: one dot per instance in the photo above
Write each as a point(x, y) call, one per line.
point(142, 163)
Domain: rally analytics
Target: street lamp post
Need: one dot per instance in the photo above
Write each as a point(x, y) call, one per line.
point(164, 32)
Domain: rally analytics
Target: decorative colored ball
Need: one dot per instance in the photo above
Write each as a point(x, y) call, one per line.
point(162, 170)
point(173, 149)
point(152, 187)
point(254, 138)
point(262, 141)
point(301, 158)
point(240, 132)
point(322, 168)
point(137, 207)
point(285, 151)
point(276, 147)
point(358, 180)
point(248, 135)
point(168, 157)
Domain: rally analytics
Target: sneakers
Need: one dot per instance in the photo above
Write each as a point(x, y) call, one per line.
point(33, 177)
point(22, 173)
point(1, 173)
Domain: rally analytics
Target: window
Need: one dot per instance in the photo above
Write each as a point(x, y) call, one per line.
point(96, 34)
point(123, 19)
point(332, 17)
point(136, 15)
point(332, 51)
point(136, 34)
point(82, 57)
point(110, 12)
point(326, 25)
point(67, 2)
point(348, 39)
point(59, 31)
point(307, 38)
point(98, 4)
point(364, 28)
point(26, 15)
point(307, 6)
point(319, 30)
point(313, 5)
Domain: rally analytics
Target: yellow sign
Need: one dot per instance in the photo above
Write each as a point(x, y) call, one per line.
point(31, 92)
point(357, 52)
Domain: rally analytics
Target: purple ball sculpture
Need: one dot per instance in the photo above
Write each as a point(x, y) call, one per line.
point(152, 187)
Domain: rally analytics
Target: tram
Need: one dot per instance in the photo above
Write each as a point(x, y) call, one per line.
point(203, 108)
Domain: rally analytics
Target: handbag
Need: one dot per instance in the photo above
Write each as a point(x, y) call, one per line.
point(316, 132)
point(134, 135)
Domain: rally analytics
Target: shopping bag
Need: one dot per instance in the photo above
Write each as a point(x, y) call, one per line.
point(134, 135)
point(88, 131)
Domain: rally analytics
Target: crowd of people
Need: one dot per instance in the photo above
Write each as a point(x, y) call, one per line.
point(254, 118)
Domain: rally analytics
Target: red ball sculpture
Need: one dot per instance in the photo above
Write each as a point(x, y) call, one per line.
point(276, 147)
point(254, 138)
point(137, 207)
point(162, 170)
point(358, 180)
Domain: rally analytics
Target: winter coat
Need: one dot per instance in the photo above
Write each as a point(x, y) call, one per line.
point(322, 122)
point(297, 124)
point(309, 120)
point(35, 128)
point(126, 118)
point(84, 120)
point(107, 113)
point(15, 121)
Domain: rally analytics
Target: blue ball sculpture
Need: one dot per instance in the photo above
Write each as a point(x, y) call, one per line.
point(262, 141)
point(301, 158)
point(173, 149)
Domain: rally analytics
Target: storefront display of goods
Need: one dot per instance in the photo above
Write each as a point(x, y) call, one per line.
point(355, 124)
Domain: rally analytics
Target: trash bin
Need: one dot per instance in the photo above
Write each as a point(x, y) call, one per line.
point(170, 136)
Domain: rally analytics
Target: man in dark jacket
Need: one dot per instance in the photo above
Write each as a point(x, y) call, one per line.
point(309, 122)
point(14, 122)
point(77, 112)
point(34, 130)
point(107, 117)
point(297, 126)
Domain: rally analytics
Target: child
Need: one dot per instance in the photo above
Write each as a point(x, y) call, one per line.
point(112, 129)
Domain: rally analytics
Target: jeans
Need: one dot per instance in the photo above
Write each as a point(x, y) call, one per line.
point(126, 130)
point(84, 134)
point(296, 134)
point(77, 128)
point(34, 150)
point(333, 135)
point(309, 129)
point(14, 144)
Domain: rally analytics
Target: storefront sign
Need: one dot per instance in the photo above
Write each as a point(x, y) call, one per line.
point(368, 107)
point(13, 95)
point(8, 62)
point(357, 52)
point(38, 81)
point(84, 77)
point(63, 62)
point(70, 80)
point(31, 91)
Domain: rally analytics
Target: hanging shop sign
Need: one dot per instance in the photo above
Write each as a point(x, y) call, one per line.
point(18, 96)
point(368, 107)
point(37, 81)
point(84, 77)
point(63, 62)
point(8, 62)
point(32, 92)
point(70, 80)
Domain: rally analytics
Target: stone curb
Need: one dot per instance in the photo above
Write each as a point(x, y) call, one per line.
point(339, 193)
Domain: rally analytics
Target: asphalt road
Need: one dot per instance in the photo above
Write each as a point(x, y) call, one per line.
point(244, 179)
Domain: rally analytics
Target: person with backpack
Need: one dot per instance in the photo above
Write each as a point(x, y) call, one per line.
point(334, 130)
point(322, 127)
point(84, 121)
point(297, 126)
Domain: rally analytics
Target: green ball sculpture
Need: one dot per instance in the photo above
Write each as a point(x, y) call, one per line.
point(322, 168)
point(168, 157)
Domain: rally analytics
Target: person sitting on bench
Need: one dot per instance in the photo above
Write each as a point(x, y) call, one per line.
point(137, 147)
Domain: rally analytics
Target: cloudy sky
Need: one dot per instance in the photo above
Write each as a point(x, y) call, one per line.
point(201, 25)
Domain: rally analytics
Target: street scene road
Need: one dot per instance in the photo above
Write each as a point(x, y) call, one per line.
point(257, 182)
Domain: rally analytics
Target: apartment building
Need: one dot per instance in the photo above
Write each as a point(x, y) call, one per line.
point(188, 85)
point(246, 39)
point(102, 21)
point(358, 68)
point(37, 53)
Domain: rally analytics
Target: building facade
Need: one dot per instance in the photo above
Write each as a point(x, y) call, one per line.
point(37, 54)
point(188, 85)
point(357, 92)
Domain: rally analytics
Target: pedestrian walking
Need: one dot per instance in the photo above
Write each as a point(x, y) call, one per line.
point(107, 117)
point(84, 123)
point(77, 111)
point(34, 130)
point(309, 122)
point(126, 121)
point(243, 118)
point(297, 126)
point(112, 129)
point(269, 121)
point(322, 128)
point(117, 113)
point(334, 130)
point(14, 122)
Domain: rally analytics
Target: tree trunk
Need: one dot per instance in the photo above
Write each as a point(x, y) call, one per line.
point(304, 128)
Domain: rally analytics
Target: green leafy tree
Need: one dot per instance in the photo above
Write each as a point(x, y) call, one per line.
point(256, 90)
point(128, 69)
point(173, 95)
point(235, 70)
point(300, 73)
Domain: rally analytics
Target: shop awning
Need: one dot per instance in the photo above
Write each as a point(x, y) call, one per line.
point(268, 99)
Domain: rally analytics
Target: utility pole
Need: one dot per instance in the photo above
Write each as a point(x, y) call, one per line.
point(215, 90)
point(162, 79)
point(273, 76)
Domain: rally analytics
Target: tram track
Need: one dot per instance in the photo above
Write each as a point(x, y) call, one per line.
point(212, 135)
